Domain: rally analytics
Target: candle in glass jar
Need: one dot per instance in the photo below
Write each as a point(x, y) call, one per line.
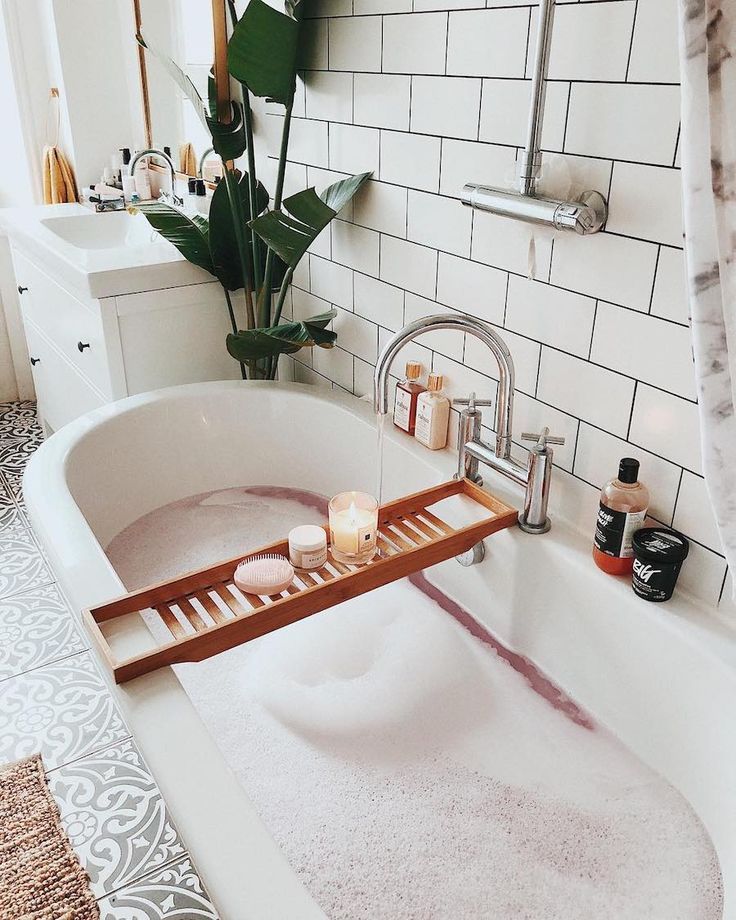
point(353, 527)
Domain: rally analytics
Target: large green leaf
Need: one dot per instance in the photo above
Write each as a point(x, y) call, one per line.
point(290, 231)
point(337, 195)
point(262, 52)
point(228, 138)
point(285, 339)
point(223, 237)
point(190, 235)
point(178, 76)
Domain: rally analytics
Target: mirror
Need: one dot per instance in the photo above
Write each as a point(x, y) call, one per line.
point(184, 30)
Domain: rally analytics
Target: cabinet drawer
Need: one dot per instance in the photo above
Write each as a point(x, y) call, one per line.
point(73, 326)
point(62, 393)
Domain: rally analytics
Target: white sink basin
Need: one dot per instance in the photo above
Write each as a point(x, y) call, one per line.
point(103, 231)
point(98, 255)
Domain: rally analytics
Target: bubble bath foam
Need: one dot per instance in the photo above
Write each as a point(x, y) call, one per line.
point(409, 766)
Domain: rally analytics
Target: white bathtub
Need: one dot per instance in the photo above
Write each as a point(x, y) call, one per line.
point(662, 678)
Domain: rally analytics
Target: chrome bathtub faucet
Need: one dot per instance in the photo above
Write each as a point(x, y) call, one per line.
point(472, 450)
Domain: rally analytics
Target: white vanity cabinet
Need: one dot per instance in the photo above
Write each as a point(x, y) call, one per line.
point(86, 352)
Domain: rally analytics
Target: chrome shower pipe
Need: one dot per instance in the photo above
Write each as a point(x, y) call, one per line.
point(586, 215)
point(531, 159)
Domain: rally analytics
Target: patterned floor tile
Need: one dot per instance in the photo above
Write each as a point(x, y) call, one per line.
point(36, 628)
point(22, 565)
point(10, 515)
point(14, 483)
point(16, 450)
point(174, 893)
point(64, 710)
point(18, 415)
point(115, 817)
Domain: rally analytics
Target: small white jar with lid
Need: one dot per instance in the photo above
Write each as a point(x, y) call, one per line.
point(308, 547)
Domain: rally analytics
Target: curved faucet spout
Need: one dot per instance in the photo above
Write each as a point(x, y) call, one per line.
point(169, 162)
point(461, 323)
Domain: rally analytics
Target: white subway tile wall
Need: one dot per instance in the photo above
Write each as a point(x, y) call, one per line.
point(430, 94)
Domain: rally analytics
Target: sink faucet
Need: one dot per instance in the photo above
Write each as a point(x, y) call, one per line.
point(203, 160)
point(535, 476)
point(169, 162)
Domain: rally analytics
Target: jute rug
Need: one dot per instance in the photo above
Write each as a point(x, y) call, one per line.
point(41, 877)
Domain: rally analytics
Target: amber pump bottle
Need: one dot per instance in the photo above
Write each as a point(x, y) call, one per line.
point(407, 393)
point(622, 510)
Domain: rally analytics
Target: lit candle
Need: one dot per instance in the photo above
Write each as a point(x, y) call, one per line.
point(353, 527)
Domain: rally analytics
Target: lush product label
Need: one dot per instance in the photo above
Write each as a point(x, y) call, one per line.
point(655, 582)
point(614, 530)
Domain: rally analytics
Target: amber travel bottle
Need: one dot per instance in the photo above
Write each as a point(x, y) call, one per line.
point(407, 393)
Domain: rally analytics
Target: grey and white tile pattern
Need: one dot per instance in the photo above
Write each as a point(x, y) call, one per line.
point(53, 699)
point(64, 710)
point(36, 628)
point(13, 480)
point(22, 565)
point(10, 514)
point(115, 816)
point(174, 893)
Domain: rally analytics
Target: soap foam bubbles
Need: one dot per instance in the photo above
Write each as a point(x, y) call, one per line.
point(366, 671)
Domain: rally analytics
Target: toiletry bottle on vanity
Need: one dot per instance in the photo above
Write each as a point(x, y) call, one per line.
point(407, 393)
point(623, 508)
point(433, 415)
point(142, 183)
point(200, 197)
point(127, 181)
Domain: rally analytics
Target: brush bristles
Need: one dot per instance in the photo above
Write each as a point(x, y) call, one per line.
point(267, 573)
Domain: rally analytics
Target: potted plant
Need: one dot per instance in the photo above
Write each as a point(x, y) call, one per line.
point(247, 243)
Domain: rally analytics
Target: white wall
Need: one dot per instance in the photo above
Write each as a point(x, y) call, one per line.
point(92, 52)
point(431, 100)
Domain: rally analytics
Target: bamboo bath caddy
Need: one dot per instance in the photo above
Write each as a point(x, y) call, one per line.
point(213, 615)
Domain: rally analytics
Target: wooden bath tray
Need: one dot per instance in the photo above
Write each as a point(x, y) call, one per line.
point(204, 613)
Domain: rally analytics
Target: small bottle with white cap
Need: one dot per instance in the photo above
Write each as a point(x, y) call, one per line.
point(433, 414)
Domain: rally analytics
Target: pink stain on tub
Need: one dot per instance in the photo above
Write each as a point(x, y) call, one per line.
point(536, 680)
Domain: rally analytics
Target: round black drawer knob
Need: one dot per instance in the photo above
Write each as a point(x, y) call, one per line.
point(35, 361)
point(82, 345)
point(21, 289)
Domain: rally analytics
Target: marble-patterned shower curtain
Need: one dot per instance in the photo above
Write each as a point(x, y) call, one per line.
point(708, 154)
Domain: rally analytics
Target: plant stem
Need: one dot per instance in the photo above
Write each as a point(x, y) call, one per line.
point(234, 324)
point(264, 299)
point(238, 218)
point(279, 190)
point(283, 291)
point(249, 301)
point(282, 294)
point(252, 184)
